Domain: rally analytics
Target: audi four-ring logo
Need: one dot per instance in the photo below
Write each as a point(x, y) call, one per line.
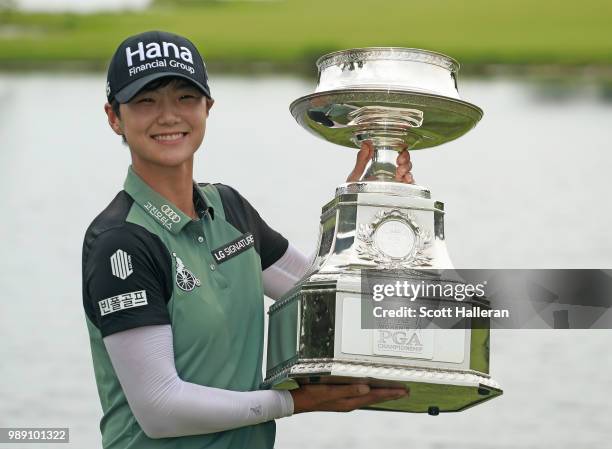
point(170, 213)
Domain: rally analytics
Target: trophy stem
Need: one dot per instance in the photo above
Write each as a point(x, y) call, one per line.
point(383, 165)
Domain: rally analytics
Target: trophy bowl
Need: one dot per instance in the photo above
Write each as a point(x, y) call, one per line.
point(394, 99)
point(400, 98)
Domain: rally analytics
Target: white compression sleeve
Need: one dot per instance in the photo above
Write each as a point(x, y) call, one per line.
point(166, 406)
point(281, 276)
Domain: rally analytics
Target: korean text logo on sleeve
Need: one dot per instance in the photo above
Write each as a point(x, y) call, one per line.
point(121, 264)
point(123, 301)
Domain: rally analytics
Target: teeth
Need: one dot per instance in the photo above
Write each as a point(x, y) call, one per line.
point(168, 136)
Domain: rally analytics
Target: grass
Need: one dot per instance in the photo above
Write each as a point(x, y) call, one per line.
point(293, 33)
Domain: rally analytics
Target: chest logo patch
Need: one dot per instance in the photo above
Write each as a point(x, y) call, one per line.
point(185, 279)
point(233, 248)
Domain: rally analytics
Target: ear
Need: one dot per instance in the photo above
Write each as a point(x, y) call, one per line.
point(113, 121)
point(209, 104)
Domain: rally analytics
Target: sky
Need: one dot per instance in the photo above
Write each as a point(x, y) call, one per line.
point(81, 5)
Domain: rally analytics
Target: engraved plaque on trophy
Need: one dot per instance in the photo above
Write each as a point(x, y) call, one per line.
point(396, 99)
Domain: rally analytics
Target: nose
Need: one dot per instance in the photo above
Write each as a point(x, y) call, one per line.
point(168, 112)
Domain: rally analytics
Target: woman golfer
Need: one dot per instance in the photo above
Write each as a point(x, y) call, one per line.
point(174, 275)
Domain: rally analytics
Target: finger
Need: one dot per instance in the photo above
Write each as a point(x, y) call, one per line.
point(403, 157)
point(400, 173)
point(375, 396)
point(368, 144)
point(407, 164)
point(363, 157)
point(403, 160)
point(402, 170)
point(327, 393)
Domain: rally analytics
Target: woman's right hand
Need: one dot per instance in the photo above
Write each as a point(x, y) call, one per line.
point(340, 398)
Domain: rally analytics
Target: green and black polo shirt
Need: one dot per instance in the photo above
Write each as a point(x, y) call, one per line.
point(145, 263)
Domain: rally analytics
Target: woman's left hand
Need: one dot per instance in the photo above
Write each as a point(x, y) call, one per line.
point(404, 165)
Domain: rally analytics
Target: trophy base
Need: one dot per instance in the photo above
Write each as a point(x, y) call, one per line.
point(316, 332)
point(431, 391)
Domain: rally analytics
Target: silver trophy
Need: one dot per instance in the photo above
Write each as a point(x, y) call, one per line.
point(395, 98)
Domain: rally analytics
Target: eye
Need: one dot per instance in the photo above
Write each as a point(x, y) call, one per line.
point(189, 97)
point(144, 100)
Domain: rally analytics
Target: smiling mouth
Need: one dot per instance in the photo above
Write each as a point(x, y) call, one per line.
point(168, 137)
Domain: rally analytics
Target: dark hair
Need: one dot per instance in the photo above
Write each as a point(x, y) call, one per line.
point(153, 85)
point(115, 108)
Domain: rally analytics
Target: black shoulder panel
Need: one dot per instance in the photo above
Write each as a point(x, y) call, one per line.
point(269, 244)
point(127, 271)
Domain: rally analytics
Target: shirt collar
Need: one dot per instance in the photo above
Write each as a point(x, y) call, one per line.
point(162, 210)
point(200, 203)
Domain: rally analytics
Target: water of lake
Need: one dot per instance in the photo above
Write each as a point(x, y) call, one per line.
point(527, 188)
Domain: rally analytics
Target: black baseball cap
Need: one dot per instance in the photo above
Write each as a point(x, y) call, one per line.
point(148, 56)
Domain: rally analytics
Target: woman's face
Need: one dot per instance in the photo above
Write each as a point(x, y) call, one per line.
point(165, 126)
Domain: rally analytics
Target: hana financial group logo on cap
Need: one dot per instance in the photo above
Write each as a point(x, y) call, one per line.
point(147, 56)
point(158, 54)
